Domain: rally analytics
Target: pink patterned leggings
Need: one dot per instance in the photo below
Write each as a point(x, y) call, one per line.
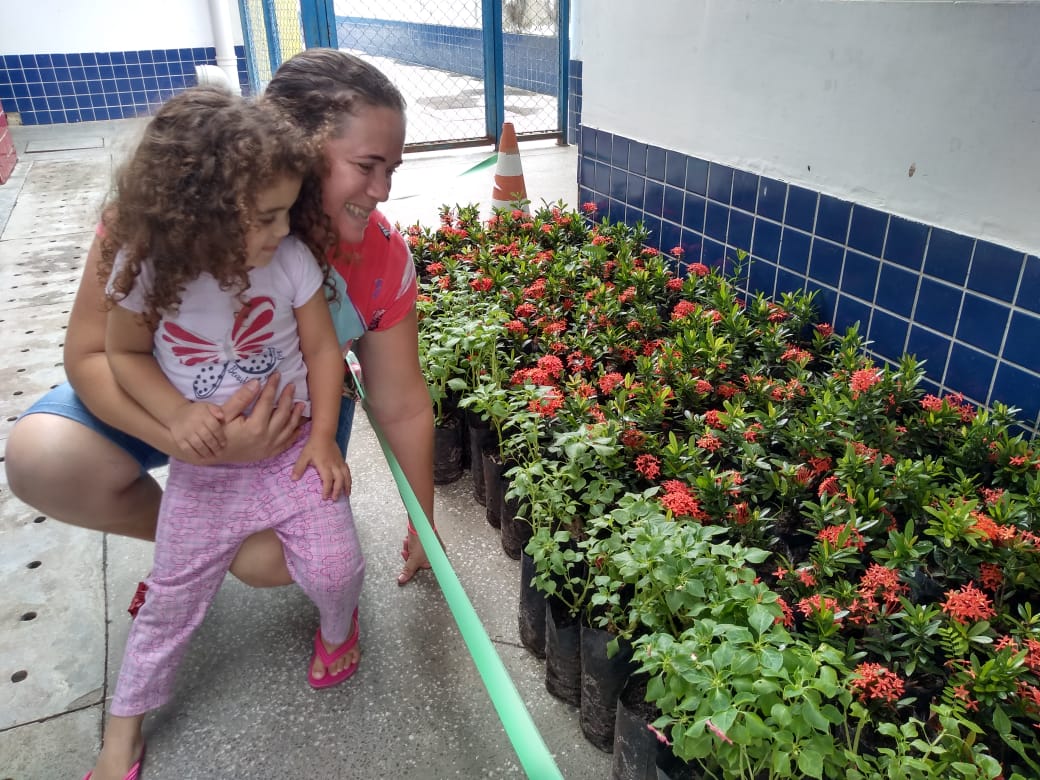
point(206, 513)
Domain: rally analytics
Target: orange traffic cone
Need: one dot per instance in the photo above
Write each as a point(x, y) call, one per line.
point(509, 172)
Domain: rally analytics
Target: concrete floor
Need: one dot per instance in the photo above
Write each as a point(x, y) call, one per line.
point(416, 708)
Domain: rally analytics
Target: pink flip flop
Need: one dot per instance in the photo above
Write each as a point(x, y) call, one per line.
point(132, 774)
point(328, 659)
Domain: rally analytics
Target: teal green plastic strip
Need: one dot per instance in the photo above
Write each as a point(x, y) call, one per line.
point(481, 165)
point(527, 741)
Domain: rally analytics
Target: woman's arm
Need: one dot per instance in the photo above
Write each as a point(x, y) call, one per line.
point(399, 401)
point(324, 361)
point(86, 365)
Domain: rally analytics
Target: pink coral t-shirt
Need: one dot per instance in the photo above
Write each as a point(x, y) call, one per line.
point(375, 280)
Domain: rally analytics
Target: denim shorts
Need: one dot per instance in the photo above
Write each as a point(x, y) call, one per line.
point(63, 402)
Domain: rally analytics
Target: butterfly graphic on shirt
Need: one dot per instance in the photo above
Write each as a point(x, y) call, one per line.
point(244, 353)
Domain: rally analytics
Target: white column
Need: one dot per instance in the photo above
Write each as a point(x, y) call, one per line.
point(224, 42)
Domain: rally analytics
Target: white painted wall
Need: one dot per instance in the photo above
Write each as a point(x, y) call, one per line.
point(843, 97)
point(70, 26)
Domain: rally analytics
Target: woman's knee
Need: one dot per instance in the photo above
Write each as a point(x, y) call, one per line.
point(260, 561)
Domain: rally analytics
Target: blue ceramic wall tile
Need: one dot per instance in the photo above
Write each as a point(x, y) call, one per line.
point(825, 262)
point(832, 218)
point(697, 176)
point(861, 275)
point(745, 190)
point(801, 208)
point(673, 204)
point(1023, 337)
point(618, 184)
point(995, 270)
point(948, 255)
point(905, 243)
point(619, 152)
point(675, 169)
point(938, 305)
point(739, 235)
point(720, 182)
point(826, 300)
point(762, 277)
point(931, 348)
point(634, 191)
point(766, 243)
point(888, 333)
point(716, 221)
point(982, 323)
point(794, 250)
point(867, 230)
point(1019, 389)
point(851, 311)
point(586, 173)
point(1029, 289)
point(691, 244)
point(713, 253)
point(654, 198)
point(896, 290)
point(788, 282)
point(970, 372)
point(637, 158)
point(693, 212)
point(655, 162)
point(671, 236)
point(653, 224)
point(772, 195)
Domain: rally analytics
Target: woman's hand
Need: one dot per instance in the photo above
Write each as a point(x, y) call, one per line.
point(325, 456)
point(268, 430)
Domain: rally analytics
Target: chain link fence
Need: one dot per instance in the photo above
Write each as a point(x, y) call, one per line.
point(434, 52)
point(273, 33)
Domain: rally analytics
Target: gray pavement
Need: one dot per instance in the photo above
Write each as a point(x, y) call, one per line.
point(416, 707)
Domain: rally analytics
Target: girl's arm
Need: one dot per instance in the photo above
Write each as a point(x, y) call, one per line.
point(325, 371)
point(399, 401)
point(128, 344)
point(263, 434)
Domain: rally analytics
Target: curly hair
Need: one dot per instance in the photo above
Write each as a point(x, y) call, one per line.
point(319, 90)
point(186, 199)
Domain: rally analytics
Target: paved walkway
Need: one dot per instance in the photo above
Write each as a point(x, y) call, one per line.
point(416, 707)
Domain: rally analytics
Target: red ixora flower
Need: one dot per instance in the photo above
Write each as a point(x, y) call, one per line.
point(863, 380)
point(968, 604)
point(589, 207)
point(698, 269)
point(874, 682)
point(648, 466)
point(834, 533)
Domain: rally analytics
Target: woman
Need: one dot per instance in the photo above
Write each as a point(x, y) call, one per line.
point(81, 453)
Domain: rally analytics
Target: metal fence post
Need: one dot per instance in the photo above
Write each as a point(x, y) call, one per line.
point(563, 32)
point(319, 23)
point(274, 46)
point(494, 68)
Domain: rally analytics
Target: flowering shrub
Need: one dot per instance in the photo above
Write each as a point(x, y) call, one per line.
point(814, 558)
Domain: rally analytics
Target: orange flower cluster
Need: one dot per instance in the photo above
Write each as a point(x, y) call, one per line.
point(968, 604)
point(874, 682)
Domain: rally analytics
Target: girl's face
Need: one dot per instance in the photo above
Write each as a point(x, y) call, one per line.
point(360, 162)
point(271, 220)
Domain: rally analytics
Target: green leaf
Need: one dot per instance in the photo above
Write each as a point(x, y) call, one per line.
point(810, 763)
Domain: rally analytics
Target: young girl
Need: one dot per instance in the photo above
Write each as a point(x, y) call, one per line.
point(209, 294)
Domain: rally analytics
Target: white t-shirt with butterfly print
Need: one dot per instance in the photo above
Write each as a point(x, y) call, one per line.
point(213, 344)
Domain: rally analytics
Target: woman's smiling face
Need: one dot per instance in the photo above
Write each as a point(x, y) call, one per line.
point(360, 164)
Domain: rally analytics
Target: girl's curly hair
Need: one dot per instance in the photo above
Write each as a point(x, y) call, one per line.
point(186, 198)
point(319, 90)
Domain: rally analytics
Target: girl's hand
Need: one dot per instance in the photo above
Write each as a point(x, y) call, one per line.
point(327, 459)
point(199, 428)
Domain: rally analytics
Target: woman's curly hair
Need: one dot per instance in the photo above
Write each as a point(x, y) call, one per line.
point(319, 90)
point(186, 198)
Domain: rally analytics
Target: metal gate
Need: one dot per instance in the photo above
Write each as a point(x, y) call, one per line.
point(464, 66)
